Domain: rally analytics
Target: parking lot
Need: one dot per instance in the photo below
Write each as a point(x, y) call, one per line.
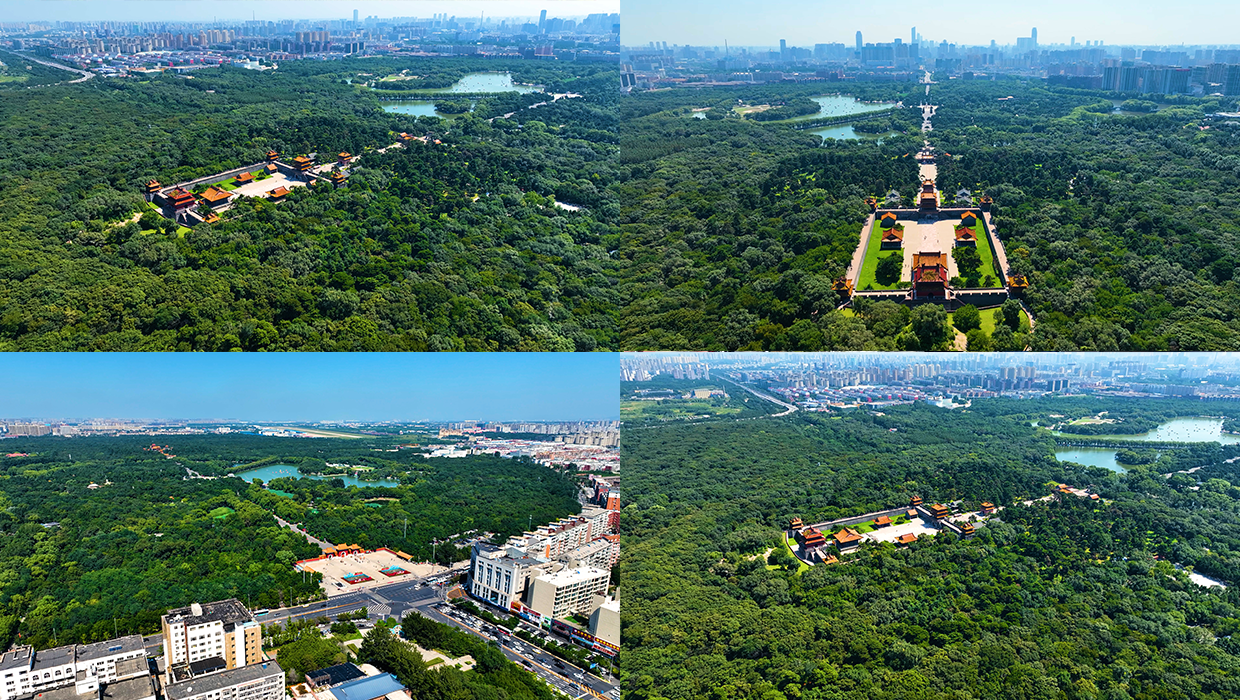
point(371, 564)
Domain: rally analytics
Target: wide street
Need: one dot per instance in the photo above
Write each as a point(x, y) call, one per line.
point(421, 596)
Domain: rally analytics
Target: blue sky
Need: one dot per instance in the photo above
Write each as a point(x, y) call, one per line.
point(206, 10)
point(804, 23)
point(308, 387)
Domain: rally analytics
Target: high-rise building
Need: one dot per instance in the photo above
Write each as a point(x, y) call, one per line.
point(858, 39)
point(500, 575)
point(355, 18)
point(542, 22)
point(567, 592)
point(1034, 36)
point(605, 621)
point(912, 35)
point(224, 632)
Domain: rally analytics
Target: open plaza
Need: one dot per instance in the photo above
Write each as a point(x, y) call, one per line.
point(347, 569)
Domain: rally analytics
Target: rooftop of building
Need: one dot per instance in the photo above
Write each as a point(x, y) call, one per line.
point(132, 667)
point(223, 679)
point(334, 675)
point(99, 650)
point(566, 577)
point(19, 657)
point(367, 688)
point(68, 692)
point(228, 611)
point(133, 689)
point(51, 658)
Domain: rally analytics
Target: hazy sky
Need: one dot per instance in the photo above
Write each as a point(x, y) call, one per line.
point(206, 10)
point(307, 387)
point(804, 23)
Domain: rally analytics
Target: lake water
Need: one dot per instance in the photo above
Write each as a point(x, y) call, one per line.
point(1174, 430)
point(488, 82)
point(846, 133)
point(842, 106)
point(1093, 456)
point(277, 471)
point(414, 108)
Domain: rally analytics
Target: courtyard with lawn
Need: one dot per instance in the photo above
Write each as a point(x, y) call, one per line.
point(924, 236)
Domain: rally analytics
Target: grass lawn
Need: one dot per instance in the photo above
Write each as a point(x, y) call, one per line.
point(988, 319)
point(869, 267)
point(864, 527)
point(221, 512)
point(182, 230)
point(154, 207)
point(229, 185)
point(984, 249)
point(803, 567)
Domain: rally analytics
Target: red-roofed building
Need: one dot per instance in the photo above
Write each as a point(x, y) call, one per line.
point(811, 538)
point(215, 197)
point(846, 538)
point(906, 539)
point(244, 178)
point(278, 193)
point(882, 521)
point(929, 276)
point(893, 238)
point(966, 237)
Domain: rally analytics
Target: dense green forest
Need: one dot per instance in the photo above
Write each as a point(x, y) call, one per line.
point(1064, 598)
point(734, 227)
point(1124, 224)
point(449, 246)
point(77, 563)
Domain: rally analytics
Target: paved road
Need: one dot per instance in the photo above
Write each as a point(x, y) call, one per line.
point(762, 395)
point(86, 75)
point(421, 596)
point(290, 526)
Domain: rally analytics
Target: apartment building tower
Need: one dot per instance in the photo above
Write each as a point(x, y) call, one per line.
point(223, 630)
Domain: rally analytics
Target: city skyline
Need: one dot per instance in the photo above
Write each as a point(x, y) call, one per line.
point(750, 23)
point(170, 11)
point(312, 387)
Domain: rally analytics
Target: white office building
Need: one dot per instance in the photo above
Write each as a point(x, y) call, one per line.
point(567, 592)
point(83, 667)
